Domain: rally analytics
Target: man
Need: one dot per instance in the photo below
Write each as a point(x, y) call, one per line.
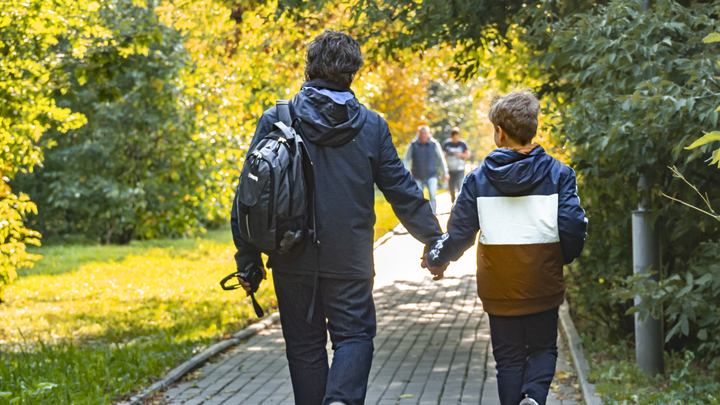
point(423, 158)
point(457, 152)
point(351, 150)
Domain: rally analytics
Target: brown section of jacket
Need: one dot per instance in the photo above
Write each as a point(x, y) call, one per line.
point(518, 280)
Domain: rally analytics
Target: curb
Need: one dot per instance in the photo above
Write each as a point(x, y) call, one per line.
point(199, 359)
point(582, 367)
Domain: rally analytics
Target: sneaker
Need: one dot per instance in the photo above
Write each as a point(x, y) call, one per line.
point(528, 401)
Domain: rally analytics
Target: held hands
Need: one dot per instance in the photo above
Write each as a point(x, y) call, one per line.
point(437, 271)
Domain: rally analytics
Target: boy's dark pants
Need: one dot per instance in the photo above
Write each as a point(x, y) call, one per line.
point(350, 312)
point(525, 350)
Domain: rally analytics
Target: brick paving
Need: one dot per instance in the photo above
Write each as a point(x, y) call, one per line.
point(432, 346)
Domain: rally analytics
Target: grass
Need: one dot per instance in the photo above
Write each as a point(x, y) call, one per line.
point(92, 324)
point(619, 380)
point(385, 219)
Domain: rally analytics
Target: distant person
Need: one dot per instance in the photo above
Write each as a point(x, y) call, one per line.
point(327, 286)
point(457, 152)
point(525, 204)
point(424, 158)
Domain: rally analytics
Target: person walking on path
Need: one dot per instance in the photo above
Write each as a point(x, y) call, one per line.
point(526, 205)
point(457, 152)
point(351, 151)
point(424, 158)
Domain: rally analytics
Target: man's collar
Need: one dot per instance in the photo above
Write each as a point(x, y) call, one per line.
point(324, 84)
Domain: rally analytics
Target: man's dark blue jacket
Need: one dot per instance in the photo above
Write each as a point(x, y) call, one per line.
point(525, 204)
point(352, 151)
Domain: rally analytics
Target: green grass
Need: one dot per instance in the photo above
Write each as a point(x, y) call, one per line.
point(619, 380)
point(91, 324)
point(385, 219)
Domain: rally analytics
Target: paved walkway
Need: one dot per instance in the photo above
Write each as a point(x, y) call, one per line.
point(432, 346)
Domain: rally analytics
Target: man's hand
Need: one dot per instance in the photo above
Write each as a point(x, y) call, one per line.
point(445, 177)
point(437, 271)
point(246, 285)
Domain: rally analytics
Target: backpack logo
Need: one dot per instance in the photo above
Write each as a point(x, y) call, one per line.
point(252, 177)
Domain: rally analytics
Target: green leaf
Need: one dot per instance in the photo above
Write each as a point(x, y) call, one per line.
point(406, 396)
point(5, 394)
point(714, 37)
point(702, 334)
point(705, 139)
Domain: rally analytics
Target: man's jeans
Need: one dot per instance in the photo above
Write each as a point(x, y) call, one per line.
point(525, 350)
point(431, 185)
point(350, 312)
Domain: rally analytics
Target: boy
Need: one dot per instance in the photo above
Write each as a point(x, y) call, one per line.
point(526, 205)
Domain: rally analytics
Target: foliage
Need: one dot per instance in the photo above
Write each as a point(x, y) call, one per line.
point(636, 86)
point(715, 135)
point(139, 168)
point(30, 68)
point(101, 321)
point(622, 382)
point(14, 236)
point(689, 300)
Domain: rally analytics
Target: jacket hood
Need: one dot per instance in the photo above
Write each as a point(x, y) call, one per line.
point(325, 120)
point(516, 173)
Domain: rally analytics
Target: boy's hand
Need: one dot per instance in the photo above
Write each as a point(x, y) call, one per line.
point(437, 271)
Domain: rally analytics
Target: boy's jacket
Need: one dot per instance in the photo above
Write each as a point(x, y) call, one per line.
point(527, 209)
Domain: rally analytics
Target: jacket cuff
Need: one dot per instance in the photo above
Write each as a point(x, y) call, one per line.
point(242, 260)
point(434, 255)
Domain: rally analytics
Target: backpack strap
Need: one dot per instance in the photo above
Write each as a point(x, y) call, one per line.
point(283, 108)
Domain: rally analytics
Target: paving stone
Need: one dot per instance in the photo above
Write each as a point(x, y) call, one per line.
point(432, 346)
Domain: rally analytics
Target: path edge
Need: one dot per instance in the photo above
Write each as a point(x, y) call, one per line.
point(580, 363)
point(201, 358)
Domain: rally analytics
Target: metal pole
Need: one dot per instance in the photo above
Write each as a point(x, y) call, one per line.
point(646, 257)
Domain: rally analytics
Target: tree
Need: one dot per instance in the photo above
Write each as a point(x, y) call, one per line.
point(140, 168)
point(30, 69)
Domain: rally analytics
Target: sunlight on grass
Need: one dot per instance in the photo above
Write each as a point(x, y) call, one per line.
point(145, 306)
point(91, 324)
point(385, 219)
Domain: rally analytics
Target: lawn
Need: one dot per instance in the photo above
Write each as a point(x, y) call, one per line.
point(91, 324)
point(385, 219)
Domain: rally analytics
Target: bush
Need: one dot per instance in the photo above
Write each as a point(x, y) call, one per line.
point(635, 87)
point(141, 167)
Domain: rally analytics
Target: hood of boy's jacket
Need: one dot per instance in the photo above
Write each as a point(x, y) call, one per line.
point(325, 121)
point(515, 173)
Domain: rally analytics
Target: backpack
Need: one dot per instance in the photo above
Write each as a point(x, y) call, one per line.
point(275, 190)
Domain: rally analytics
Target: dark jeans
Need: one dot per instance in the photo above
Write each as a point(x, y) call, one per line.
point(525, 350)
point(455, 183)
point(350, 312)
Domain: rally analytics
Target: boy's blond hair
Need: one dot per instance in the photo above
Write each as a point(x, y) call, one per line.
point(517, 114)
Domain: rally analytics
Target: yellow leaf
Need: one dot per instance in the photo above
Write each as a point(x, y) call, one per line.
point(705, 139)
point(714, 37)
point(406, 396)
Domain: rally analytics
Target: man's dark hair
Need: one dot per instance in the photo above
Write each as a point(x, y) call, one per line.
point(333, 56)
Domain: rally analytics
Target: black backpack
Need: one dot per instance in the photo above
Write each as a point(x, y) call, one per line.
point(275, 190)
